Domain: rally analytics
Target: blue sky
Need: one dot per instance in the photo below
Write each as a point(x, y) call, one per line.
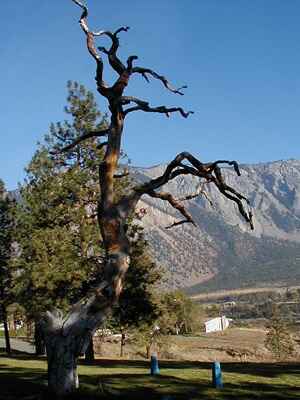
point(239, 58)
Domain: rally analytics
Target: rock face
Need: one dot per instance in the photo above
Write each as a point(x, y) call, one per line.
point(222, 252)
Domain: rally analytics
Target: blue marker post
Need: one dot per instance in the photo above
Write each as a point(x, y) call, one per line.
point(217, 375)
point(154, 369)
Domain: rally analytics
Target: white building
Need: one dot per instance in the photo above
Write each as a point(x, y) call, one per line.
point(216, 324)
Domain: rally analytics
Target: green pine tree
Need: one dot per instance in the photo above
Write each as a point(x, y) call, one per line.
point(181, 314)
point(56, 222)
point(6, 243)
point(278, 338)
point(61, 249)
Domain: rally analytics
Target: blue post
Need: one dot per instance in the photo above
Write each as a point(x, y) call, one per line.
point(217, 375)
point(154, 369)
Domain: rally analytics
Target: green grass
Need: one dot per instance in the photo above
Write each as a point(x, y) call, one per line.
point(24, 377)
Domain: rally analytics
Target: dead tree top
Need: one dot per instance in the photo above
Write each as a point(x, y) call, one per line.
point(120, 106)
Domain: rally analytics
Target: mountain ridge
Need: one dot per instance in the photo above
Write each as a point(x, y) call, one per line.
point(222, 251)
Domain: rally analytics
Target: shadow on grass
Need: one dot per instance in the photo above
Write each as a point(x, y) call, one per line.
point(268, 370)
point(249, 368)
point(26, 382)
point(18, 383)
point(136, 387)
point(21, 355)
point(255, 369)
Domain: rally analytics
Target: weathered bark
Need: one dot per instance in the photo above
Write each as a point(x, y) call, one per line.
point(68, 337)
point(6, 330)
point(39, 341)
point(62, 364)
point(148, 351)
point(29, 329)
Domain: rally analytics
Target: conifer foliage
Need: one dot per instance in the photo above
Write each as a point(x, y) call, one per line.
point(56, 228)
point(6, 243)
point(278, 338)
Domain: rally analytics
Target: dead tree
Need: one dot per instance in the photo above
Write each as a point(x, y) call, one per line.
point(67, 337)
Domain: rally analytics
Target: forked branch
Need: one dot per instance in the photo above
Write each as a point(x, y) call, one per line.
point(210, 172)
point(91, 46)
point(175, 204)
point(142, 105)
point(124, 71)
point(113, 59)
point(198, 193)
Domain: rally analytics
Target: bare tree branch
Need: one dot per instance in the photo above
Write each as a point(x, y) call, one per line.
point(224, 189)
point(101, 85)
point(209, 171)
point(175, 204)
point(81, 139)
point(130, 62)
point(142, 105)
point(81, 5)
point(177, 223)
point(165, 82)
point(113, 59)
point(199, 192)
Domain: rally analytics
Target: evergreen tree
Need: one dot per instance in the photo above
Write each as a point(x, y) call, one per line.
point(175, 314)
point(180, 314)
point(6, 240)
point(278, 338)
point(56, 228)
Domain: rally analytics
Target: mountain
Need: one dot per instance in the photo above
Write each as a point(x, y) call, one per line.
point(222, 252)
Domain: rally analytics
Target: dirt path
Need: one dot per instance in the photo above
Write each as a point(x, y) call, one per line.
point(19, 345)
point(238, 292)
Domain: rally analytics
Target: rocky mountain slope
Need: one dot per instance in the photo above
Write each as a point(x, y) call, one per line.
point(221, 252)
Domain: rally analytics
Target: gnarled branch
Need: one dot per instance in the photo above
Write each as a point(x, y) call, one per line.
point(199, 192)
point(155, 75)
point(211, 172)
point(101, 85)
point(142, 105)
point(113, 59)
point(130, 62)
point(175, 204)
point(88, 135)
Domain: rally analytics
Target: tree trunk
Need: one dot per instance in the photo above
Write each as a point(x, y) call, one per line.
point(28, 329)
point(90, 354)
point(62, 365)
point(68, 338)
point(39, 341)
point(148, 348)
point(6, 330)
point(123, 341)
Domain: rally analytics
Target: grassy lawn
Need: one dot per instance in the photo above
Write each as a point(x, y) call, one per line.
point(24, 377)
